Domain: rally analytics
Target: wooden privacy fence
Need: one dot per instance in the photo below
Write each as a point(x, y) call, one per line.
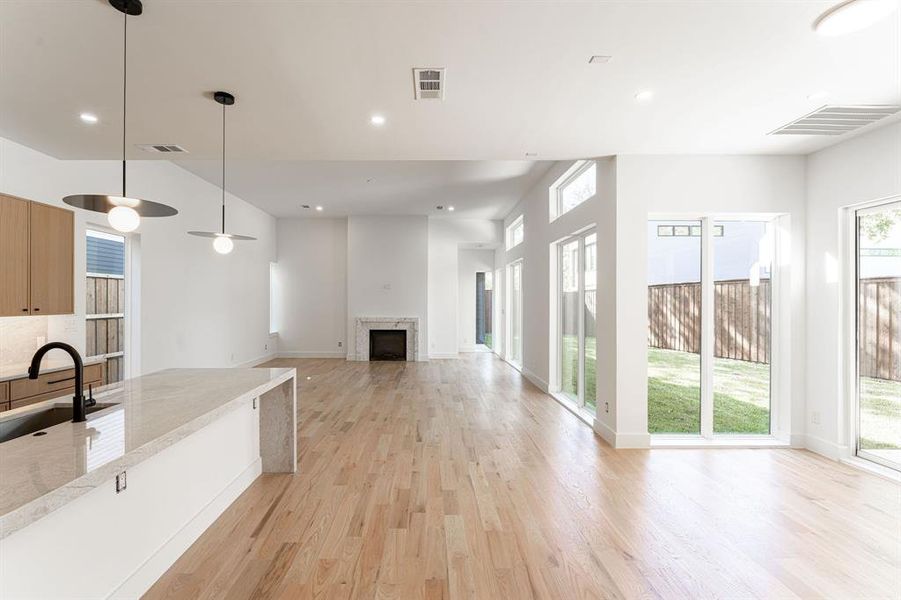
point(742, 322)
point(105, 330)
point(741, 318)
point(879, 327)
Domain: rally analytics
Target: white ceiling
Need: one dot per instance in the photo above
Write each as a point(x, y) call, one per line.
point(476, 189)
point(308, 75)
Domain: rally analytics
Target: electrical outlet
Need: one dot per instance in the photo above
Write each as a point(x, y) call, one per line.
point(606, 407)
point(121, 482)
point(265, 346)
point(340, 344)
point(815, 417)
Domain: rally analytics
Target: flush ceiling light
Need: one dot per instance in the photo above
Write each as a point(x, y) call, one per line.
point(644, 96)
point(599, 59)
point(223, 242)
point(450, 208)
point(853, 15)
point(88, 118)
point(377, 120)
point(123, 213)
point(319, 208)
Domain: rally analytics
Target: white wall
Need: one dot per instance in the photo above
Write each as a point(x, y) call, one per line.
point(311, 310)
point(629, 188)
point(860, 170)
point(198, 308)
point(445, 238)
point(387, 272)
point(470, 262)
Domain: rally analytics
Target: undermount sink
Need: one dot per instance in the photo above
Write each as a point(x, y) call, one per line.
point(40, 419)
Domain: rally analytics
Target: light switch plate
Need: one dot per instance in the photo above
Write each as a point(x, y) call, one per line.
point(121, 482)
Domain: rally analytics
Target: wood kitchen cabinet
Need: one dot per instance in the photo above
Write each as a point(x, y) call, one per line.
point(37, 258)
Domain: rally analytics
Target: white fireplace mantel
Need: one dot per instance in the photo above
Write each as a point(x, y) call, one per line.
point(365, 324)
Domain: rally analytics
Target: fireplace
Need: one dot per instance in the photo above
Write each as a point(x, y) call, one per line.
point(387, 344)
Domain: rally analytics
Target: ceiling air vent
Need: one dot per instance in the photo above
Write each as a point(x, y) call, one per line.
point(429, 83)
point(836, 120)
point(162, 148)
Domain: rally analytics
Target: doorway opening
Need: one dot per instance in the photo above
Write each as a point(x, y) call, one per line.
point(105, 299)
point(484, 311)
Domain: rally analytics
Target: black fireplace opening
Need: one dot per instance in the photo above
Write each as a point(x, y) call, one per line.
point(387, 344)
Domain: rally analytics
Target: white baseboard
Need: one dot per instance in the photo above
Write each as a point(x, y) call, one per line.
point(153, 568)
point(825, 447)
point(444, 356)
point(311, 354)
point(607, 434)
point(257, 361)
point(540, 383)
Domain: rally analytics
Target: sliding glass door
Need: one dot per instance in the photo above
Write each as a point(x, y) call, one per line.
point(576, 348)
point(710, 290)
point(878, 282)
point(514, 313)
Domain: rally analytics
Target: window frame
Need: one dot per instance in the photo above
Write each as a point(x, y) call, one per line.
point(518, 222)
point(780, 359)
point(556, 189)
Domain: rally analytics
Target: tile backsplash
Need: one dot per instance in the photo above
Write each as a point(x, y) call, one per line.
point(21, 336)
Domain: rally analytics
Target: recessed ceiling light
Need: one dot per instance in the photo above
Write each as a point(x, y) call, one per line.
point(531, 154)
point(89, 118)
point(319, 208)
point(450, 208)
point(820, 95)
point(305, 206)
point(853, 15)
point(599, 59)
point(440, 207)
point(644, 96)
point(377, 120)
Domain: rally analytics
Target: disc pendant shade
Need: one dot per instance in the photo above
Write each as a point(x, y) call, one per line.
point(223, 242)
point(123, 212)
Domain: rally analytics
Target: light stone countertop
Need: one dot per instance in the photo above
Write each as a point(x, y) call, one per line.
point(48, 365)
point(41, 474)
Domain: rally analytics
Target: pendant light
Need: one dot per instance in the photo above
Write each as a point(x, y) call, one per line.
point(223, 242)
point(123, 212)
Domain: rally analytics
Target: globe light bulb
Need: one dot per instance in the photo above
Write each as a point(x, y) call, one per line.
point(123, 218)
point(223, 244)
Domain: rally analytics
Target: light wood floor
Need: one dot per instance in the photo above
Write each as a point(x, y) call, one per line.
point(458, 479)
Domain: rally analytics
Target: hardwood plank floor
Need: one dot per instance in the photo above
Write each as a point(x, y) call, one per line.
point(459, 479)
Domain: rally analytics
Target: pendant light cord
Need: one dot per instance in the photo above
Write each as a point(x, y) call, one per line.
point(223, 167)
point(124, 92)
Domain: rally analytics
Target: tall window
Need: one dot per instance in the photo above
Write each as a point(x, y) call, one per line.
point(515, 233)
point(709, 326)
point(878, 282)
point(105, 305)
point(742, 309)
point(576, 186)
point(576, 345)
point(514, 313)
point(498, 302)
point(674, 327)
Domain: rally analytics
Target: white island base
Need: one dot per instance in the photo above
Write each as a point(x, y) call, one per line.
point(69, 534)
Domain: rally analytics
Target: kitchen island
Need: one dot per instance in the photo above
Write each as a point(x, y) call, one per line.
point(102, 508)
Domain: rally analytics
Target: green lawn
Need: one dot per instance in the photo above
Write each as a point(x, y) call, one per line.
point(569, 379)
point(880, 414)
point(740, 394)
point(741, 399)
